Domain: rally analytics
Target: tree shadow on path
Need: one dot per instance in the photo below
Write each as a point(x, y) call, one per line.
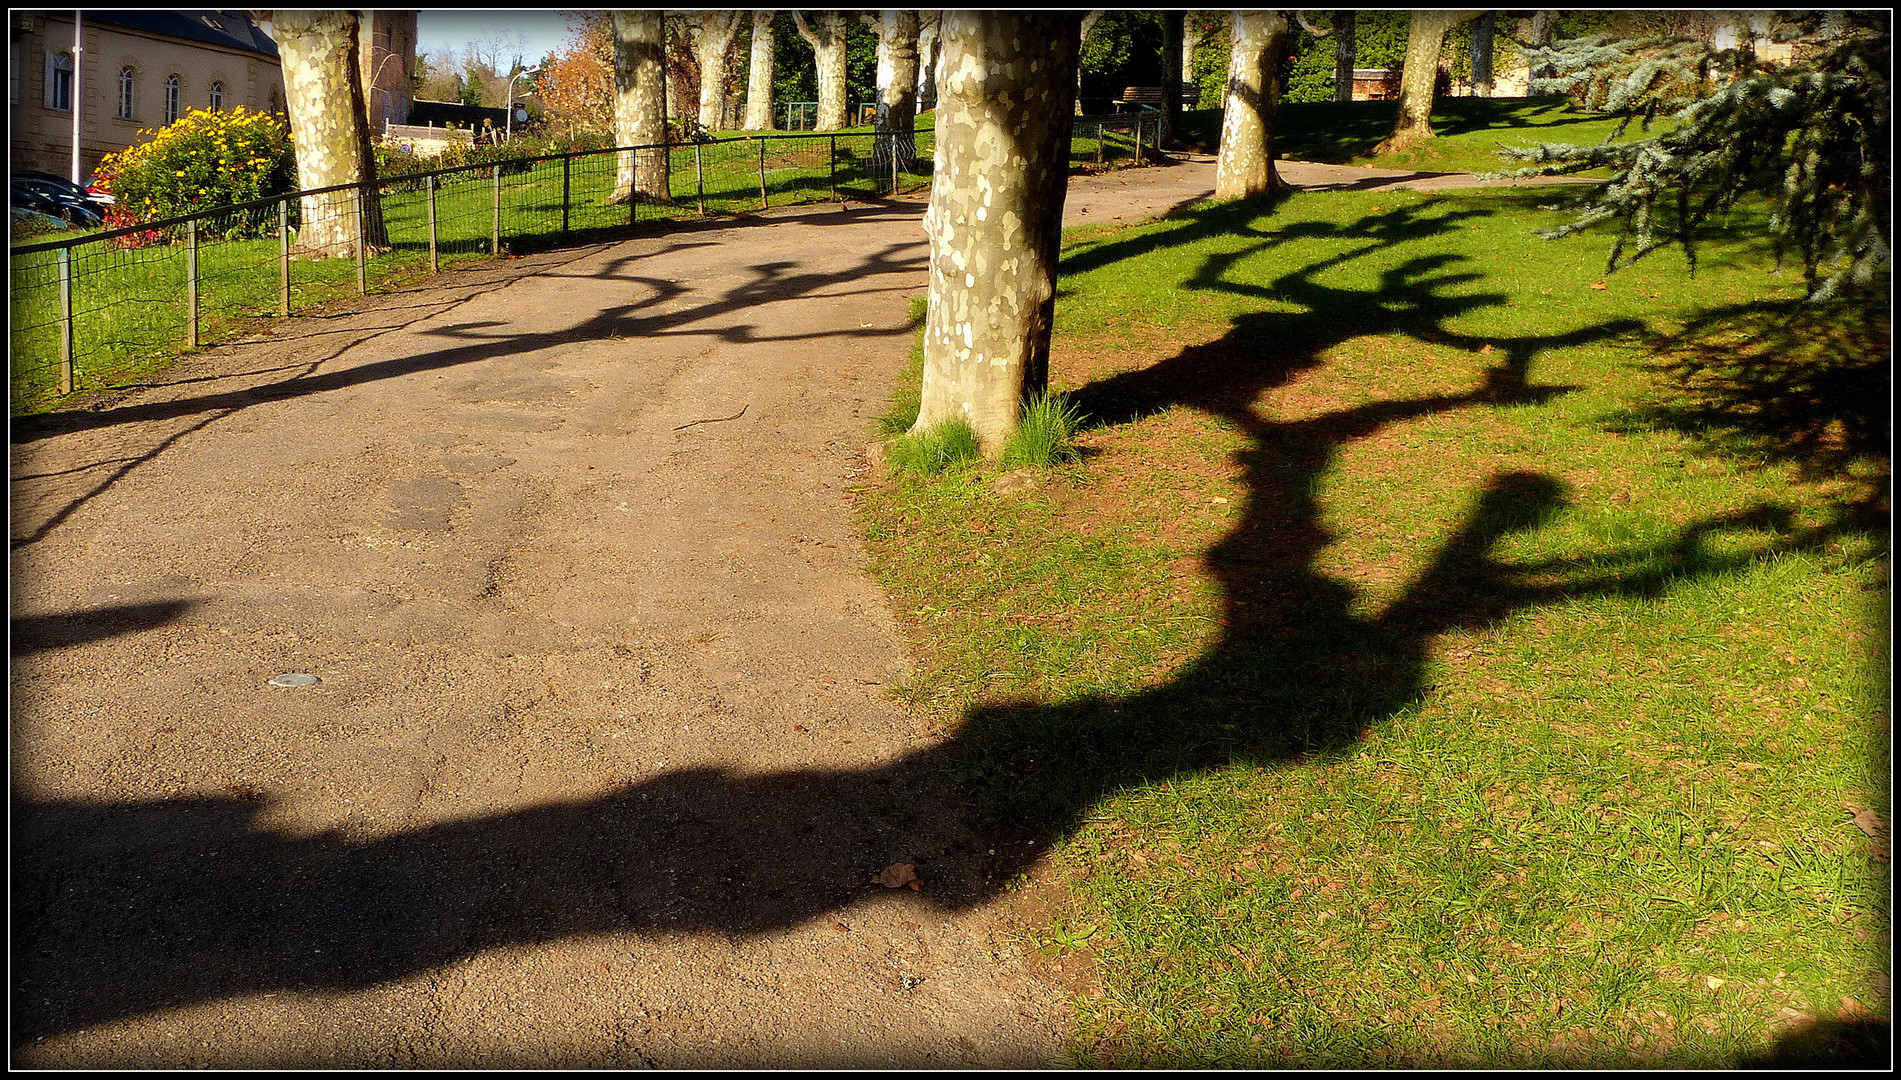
point(122, 909)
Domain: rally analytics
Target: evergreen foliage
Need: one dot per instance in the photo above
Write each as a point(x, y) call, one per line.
point(1812, 135)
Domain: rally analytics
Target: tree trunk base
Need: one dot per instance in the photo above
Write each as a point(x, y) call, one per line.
point(1395, 143)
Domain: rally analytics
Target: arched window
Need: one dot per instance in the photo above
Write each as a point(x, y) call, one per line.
point(217, 97)
point(171, 98)
point(125, 93)
point(59, 83)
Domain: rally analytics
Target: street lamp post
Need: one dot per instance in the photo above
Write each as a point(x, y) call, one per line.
point(509, 123)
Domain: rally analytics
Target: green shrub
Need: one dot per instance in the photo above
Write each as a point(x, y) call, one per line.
point(946, 446)
point(1046, 434)
point(202, 160)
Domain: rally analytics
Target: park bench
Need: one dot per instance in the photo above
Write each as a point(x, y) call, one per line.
point(1152, 97)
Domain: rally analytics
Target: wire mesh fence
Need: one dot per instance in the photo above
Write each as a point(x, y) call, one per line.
point(108, 307)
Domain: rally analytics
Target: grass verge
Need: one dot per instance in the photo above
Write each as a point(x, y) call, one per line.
point(1415, 669)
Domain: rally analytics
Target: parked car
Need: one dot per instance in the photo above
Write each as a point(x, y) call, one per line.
point(63, 185)
point(58, 198)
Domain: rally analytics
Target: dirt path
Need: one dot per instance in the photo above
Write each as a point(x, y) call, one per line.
point(601, 769)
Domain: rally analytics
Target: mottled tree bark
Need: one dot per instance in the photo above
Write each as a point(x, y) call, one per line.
point(1425, 38)
point(1245, 165)
point(759, 73)
point(1543, 27)
point(828, 49)
point(897, 89)
point(996, 215)
point(323, 93)
point(714, 33)
point(1346, 53)
point(1170, 127)
point(640, 106)
point(928, 24)
point(1090, 19)
point(1482, 31)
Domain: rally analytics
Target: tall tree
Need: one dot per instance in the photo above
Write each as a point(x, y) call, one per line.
point(1425, 39)
point(897, 88)
point(323, 93)
point(1090, 18)
point(996, 215)
point(1482, 31)
point(640, 106)
point(1345, 54)
point(827, 39)
point(712, 35)
point(1171, 121)
point(759, 72)
point(1245, 164)
point(928, 24)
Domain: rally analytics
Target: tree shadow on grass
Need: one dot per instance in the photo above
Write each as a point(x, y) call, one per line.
point(121, 909)
point(1784, 382)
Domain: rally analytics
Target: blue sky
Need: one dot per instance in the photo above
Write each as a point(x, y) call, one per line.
point(532, 33)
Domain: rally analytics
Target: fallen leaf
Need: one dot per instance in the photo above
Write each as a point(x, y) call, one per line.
point(1485, 350)
point(978, 527)
point(1599, 285)
point(1866, 820)
point(898, 875)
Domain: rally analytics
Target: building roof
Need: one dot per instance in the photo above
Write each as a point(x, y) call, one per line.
point(231, 29)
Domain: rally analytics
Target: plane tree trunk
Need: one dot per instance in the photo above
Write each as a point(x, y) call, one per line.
point(897, 90)
point(714, 33)
point(827, 39)
point(324, 97)
point(1425, 39)
point(759, 73)
point(640, 106)
point(1245, 164)
point(996, 215)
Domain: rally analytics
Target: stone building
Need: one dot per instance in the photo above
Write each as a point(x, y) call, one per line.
point(140, 70)
point(137, 71)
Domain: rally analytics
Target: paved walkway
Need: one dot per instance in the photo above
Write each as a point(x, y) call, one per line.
point(601, 767)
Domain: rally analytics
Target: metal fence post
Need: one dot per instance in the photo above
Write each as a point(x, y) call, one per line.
point(429, 184)
point(633, 187)
point(894, 164)
point(699, 178)
point(65, 320)
point(567, 185)
point(1099, 142)
point(283, 257)
point(831, 168)
point(495, 224)
point(362, 257)
point(762, 173)
point(1138, 140)
point(191, 284)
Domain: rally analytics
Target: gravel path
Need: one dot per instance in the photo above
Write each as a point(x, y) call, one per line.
point(601, 768)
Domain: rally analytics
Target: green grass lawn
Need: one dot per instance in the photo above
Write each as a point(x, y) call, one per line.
point(1468, 131)
point(1441, 653)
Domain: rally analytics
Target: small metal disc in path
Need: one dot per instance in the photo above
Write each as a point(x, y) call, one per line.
point(295, 678)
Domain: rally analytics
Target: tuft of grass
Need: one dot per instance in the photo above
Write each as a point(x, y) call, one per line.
point(1046, 434)
point(950, 445)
